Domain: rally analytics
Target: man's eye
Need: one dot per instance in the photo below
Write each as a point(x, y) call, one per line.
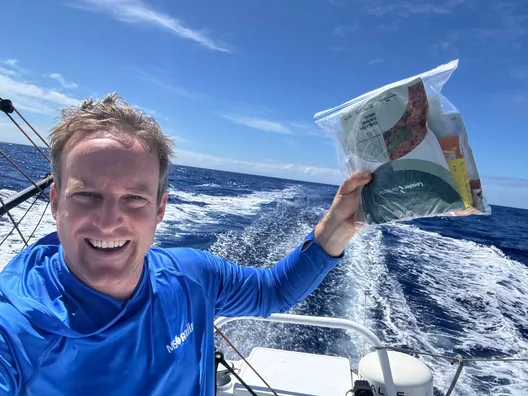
point(135, 198)
point(85, 194)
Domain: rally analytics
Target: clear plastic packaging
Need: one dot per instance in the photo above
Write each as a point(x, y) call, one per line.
point(414, 142)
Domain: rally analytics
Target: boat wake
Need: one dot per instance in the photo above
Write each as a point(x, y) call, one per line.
point(415, 289)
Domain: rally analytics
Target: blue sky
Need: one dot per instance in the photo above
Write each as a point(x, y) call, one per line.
point(236, 83)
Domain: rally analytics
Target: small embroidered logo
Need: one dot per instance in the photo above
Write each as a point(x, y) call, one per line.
point(179, 339)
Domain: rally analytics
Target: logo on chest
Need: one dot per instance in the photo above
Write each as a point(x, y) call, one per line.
point(180, 339)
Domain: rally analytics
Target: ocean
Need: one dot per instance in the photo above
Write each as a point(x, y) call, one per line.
point(441, 285)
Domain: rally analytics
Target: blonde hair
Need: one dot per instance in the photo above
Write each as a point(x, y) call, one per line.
point(109, 116)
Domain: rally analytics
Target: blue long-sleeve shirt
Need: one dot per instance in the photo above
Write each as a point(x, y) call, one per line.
point(60, 337)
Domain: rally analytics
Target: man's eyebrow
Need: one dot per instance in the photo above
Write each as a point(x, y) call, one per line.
point(77, 184)
point(140, 189)
point(74, 184)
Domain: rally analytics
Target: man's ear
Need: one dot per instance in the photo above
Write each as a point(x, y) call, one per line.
point(161, 207)
point(54, 198)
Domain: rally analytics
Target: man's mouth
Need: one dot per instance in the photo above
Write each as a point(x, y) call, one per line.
point(107, 246)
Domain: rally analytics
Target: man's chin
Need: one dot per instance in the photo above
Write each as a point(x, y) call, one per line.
point(114, 281)
point(104, 268)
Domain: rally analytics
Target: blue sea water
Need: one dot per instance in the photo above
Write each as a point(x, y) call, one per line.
point(443, 285)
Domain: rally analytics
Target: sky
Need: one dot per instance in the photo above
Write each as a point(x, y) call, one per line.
point(236, 83)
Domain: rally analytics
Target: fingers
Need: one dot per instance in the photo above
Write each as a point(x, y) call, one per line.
point(354, 181)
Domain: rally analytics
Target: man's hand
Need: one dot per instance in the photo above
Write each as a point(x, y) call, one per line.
point(339, 225)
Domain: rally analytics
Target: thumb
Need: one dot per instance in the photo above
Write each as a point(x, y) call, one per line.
point(354, 181)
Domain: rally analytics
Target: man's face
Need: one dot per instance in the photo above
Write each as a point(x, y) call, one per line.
point(106, 209)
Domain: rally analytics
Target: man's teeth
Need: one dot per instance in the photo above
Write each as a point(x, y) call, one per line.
point(106, 244)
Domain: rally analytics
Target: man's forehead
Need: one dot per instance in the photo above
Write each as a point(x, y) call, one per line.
point(131, 186)
point(106, 147)
point(102, 163)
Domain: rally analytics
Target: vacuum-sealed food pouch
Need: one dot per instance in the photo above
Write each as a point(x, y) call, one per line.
point(413, 141)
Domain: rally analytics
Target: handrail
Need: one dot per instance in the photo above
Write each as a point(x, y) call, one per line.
point(335, 323)
point(24, 195)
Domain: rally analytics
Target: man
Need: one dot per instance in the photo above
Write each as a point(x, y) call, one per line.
point(94, 310)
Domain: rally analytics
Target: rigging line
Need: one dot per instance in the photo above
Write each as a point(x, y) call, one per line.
point(19, 221)
point(454, 359)
point(219, 358)
point(244, 359)
point(14, 223)
point(455, 378)
point(31, 140)
point(364, 321)
point(41, 217)
point(23, 173)
point(462, 362)
point(33, 129)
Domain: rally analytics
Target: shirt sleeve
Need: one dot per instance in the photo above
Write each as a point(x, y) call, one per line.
point(240, 290)
point(8, 372)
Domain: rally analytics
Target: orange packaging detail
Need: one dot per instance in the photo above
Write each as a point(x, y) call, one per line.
point(457, 165)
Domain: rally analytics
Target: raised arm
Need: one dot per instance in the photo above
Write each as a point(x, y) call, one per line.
point(239, 290)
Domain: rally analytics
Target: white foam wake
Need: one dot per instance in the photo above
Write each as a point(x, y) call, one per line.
point(483, 293)
point(478, 289)
point(199, 210)
point(14, 243)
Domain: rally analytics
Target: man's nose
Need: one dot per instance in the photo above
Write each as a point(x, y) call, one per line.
point(109, 216)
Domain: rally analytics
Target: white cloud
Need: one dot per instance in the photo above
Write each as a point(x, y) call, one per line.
point(135, 11)
point(311, 130)
point(344, 30)
point(159, 79)
point(374, 61)
point(150, 112)
point(173, 135)
point(62, 81)
point(9, 72)
point(179, 140)
point(13, 64)
point(259, 123)
point(405, 9)
point(263, 168)
point(336, 2)
point(33, 98)
point(10, 67)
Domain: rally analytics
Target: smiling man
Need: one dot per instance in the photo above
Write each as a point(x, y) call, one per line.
point(94, 309)
point(107, 205)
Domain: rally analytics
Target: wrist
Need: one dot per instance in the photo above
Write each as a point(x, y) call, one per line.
point(333, 235)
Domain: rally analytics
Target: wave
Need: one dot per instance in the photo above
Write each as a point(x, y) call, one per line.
point(445, 295)
point(192, 213)
point(414, 288)
point(30, 218)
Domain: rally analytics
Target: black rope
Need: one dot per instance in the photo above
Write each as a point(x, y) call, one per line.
point(14, 223)
point(33, 129)
point(244, 359)
point(41, 217)
point(24, 174)
point(19, 221)
point(219, 358)
point(6, 106)
point(31, 140)
point(455, 378)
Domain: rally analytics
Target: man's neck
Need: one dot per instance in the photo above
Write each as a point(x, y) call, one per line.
point(120, 289)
